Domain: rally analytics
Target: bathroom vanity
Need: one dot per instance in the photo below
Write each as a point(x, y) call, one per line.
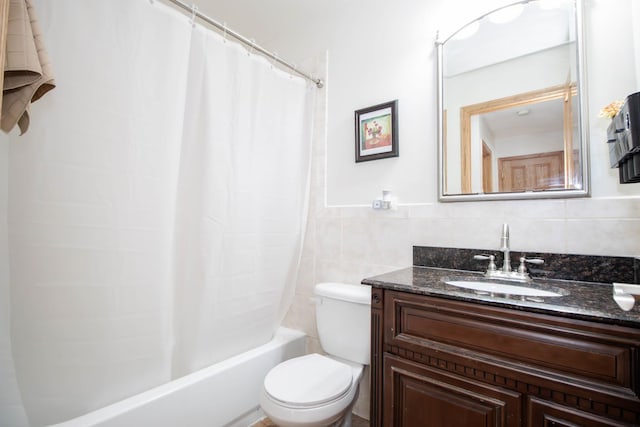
point(449, 356)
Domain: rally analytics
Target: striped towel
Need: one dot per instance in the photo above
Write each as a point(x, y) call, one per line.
point(28, 74)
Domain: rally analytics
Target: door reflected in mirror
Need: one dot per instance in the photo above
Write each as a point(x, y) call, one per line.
point(510, 105)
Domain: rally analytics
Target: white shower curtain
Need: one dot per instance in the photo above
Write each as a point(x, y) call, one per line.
point(156, 205)
point(240, 204)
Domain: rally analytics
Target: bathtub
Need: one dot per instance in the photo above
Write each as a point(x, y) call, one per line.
point(224, 394)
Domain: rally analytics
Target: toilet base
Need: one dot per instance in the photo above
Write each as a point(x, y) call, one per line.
point(346, 422)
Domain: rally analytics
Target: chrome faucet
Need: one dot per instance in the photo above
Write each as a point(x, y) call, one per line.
point(504, 248)
point(505, 272)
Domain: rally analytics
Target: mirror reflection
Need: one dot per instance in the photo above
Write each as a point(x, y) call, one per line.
point(510, 105)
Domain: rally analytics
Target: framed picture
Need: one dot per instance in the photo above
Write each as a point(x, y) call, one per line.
point(377, 132)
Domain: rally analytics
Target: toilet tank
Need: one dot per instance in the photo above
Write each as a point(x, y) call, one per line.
point(343, 316)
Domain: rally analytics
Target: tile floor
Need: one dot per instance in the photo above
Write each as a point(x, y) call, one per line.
point(356, 421)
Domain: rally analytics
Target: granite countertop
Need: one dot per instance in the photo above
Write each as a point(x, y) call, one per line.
point(584, 300)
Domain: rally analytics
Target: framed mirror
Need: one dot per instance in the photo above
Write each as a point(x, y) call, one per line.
point(511, 104)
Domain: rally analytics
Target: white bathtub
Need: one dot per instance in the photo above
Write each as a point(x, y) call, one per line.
point(224, 394)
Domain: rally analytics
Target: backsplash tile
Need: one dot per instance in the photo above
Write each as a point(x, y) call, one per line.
point(604, 236)
point(589, 268)
point(612, 207)
point(328, 236)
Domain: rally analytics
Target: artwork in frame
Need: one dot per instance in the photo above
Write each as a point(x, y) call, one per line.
point(377, 132)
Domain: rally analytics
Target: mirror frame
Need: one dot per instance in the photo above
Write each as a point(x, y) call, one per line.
point(585, 191)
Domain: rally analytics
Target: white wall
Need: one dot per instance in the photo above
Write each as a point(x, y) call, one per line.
point(607, 83)
point(522, 145)
point(635, 17)
point(378, 51)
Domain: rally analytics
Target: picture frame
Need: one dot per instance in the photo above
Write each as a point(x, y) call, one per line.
point(377, 132)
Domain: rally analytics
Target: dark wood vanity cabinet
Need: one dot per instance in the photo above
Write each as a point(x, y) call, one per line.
point(442, 362)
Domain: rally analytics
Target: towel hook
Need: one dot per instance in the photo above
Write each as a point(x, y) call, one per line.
point(194, 14)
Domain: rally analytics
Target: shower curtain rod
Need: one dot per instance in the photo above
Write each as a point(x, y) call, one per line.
point(222, 27)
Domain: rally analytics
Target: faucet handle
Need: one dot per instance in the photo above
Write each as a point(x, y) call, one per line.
point(522, 267)
point(484, 257)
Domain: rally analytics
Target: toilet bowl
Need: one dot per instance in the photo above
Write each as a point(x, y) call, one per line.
point(317, 390)
point(311, 391)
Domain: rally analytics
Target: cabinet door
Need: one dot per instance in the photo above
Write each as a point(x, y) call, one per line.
point(416, 395)
point(541, 413)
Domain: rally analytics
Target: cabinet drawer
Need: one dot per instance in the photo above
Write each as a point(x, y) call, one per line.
point(546, 345)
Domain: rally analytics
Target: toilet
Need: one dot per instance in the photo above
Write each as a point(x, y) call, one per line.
point(317, 390)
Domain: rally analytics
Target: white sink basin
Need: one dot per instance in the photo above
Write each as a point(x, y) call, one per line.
point(502, 288)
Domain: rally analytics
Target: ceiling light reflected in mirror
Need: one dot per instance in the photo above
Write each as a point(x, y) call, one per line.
point(467, 31)
point(507, 14)
point(550, 4)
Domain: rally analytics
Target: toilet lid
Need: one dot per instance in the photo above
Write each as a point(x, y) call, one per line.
point(308, 380)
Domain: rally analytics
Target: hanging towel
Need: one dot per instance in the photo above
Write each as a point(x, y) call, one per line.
point(28, 74)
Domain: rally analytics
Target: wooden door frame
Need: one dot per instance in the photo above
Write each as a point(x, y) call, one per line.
point(487, 175)
point(526, 98)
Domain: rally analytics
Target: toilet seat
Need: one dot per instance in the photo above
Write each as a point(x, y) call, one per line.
point(308, 381)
